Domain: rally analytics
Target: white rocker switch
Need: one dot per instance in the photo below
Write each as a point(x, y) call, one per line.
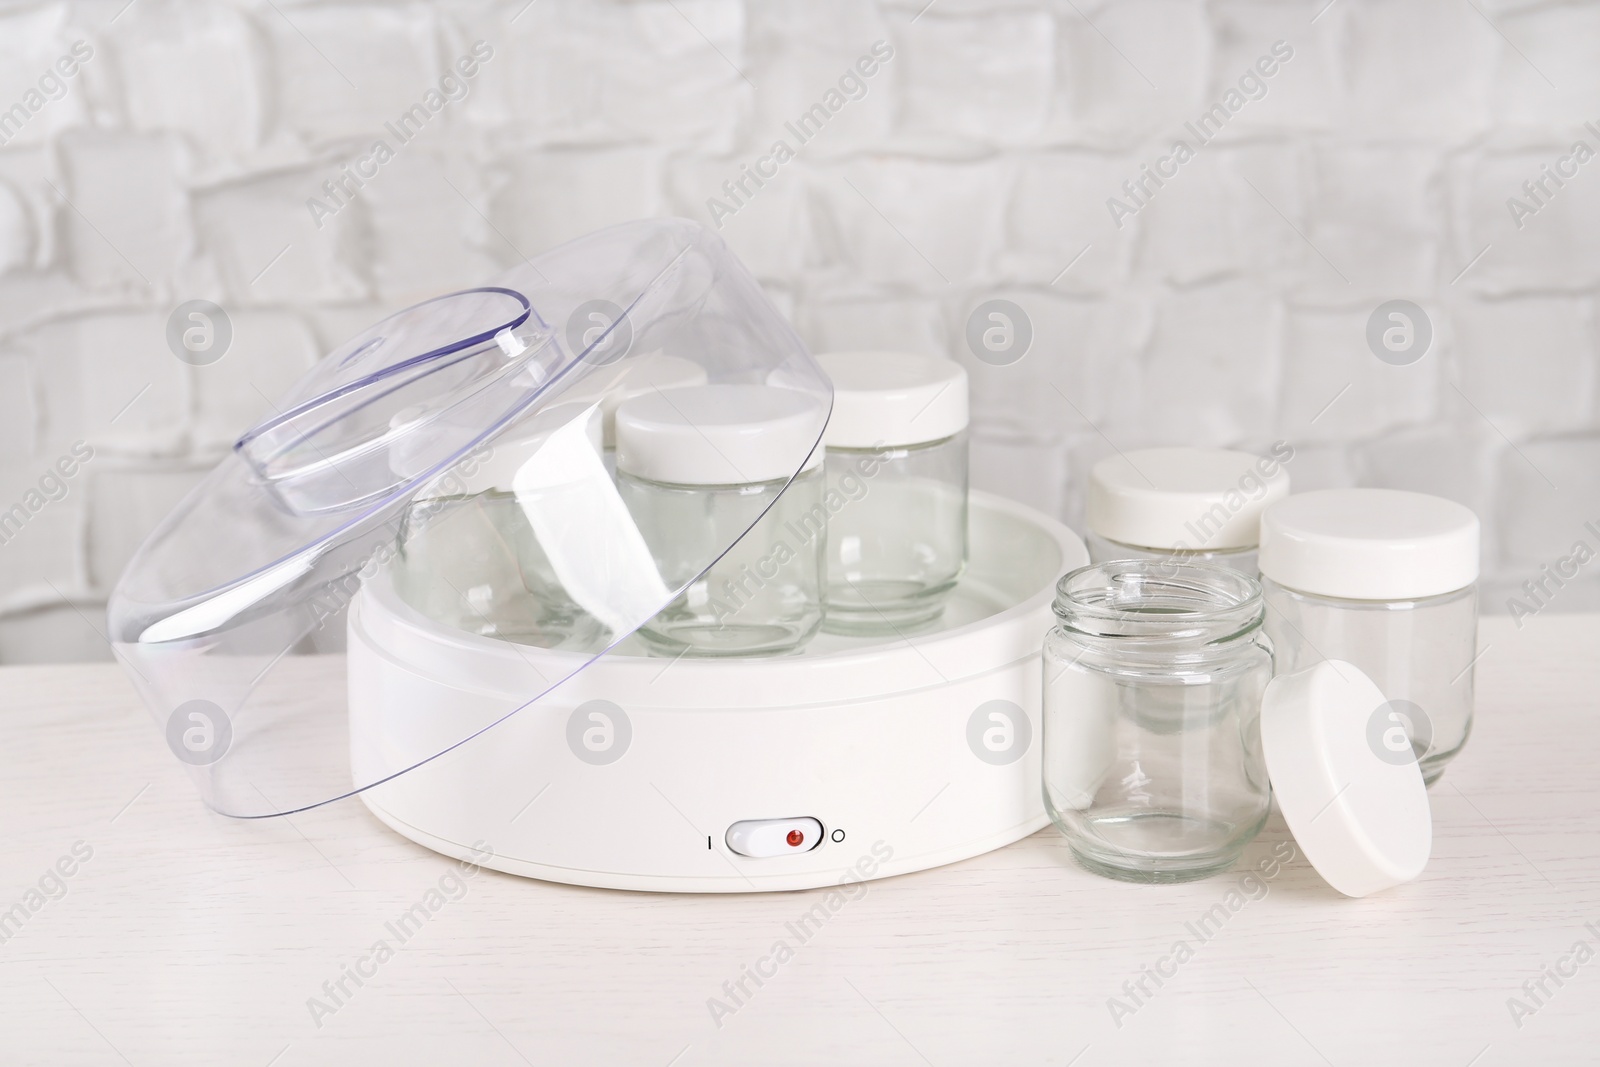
point(760, 838)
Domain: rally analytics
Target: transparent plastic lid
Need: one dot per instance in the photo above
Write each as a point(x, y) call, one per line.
point(455, 448)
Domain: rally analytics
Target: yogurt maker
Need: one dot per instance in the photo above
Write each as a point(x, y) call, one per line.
point(431, 519)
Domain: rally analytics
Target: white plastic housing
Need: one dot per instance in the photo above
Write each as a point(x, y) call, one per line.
point(889, 743)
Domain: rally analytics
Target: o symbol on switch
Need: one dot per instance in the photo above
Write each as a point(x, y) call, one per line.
point(838, 835)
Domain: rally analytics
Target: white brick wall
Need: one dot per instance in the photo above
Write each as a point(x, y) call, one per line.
point(1230, 310)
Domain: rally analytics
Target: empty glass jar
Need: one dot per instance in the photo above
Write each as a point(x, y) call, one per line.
point(475, 563)
point(1383, 579)
point(897, 489)
point(474, 549)
point(1186, 504)
point(699, 466)
point(1153, 678)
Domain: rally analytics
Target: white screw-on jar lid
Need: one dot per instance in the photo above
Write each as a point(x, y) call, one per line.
point(1191, 499)
point(1361, 817)
point(718, 434)
point(650, 373)
point(894, 399)
point(491, 468)
point(1370, 544)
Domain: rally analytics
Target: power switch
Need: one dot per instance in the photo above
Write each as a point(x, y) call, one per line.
point(760, 838)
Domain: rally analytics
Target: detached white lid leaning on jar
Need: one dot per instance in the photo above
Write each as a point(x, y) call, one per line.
point(1360, 816)
point(893, 399)
point(1369, 544)
point(1183, 499)
point(718, 434)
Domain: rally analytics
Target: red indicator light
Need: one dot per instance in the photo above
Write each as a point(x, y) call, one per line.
point(795, 838)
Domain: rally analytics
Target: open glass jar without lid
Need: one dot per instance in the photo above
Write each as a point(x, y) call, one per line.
point(1166, 735)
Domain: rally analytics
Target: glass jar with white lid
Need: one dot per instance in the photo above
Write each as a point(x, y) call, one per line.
point(897, 489)
point(1166, 737)
point(647, 374)
point(714, 464)
point(1199, 505)
point(469, 551)
point(1384, 579)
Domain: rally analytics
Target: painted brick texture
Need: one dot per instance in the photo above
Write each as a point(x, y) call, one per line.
point(1226, 305)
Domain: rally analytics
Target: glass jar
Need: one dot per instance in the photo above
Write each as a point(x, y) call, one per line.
point(649, 374)
point(896, 489)
point(703, 467)
point(474, 563)
point(487, 547)
point(1386, 580)
point(1153, 678)
point(1199, 505)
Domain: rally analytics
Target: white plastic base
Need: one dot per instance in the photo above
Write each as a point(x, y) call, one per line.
point(911, 751)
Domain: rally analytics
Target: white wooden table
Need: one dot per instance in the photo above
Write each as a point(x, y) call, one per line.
point(187, 937)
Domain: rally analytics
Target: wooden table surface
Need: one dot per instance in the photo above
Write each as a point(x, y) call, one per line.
point(184, 937)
